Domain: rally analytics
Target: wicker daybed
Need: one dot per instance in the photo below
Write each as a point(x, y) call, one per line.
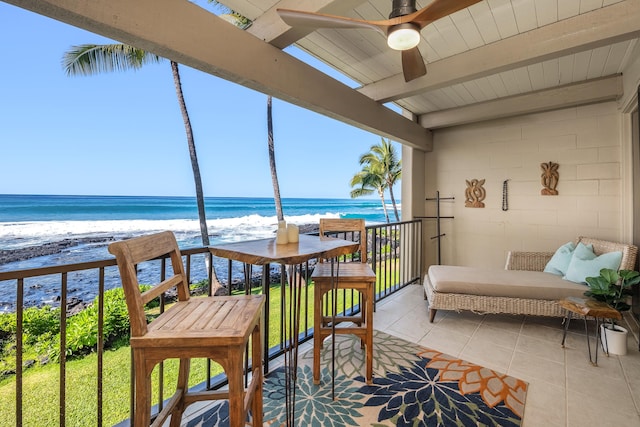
point(521, 288)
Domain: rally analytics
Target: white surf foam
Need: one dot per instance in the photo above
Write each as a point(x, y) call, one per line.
point(21, 234)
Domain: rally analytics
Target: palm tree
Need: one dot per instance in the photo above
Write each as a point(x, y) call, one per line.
point(383, 159)
point(272, 161)
point(231, 15)
point(243, 22)
point(366, 182)
point(91, 59)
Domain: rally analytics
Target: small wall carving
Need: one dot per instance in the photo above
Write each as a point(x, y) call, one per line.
point(475, 193)
point(550, 178)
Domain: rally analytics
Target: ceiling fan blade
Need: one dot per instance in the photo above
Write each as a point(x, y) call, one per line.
point(296, 18)
point(434, 11)
point(412, 64)
point(438, 9)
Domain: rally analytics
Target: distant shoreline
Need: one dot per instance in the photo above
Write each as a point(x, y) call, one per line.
point(40, 294)
point(50, 248)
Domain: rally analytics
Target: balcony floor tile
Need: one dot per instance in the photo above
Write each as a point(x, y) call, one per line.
point(529, 348)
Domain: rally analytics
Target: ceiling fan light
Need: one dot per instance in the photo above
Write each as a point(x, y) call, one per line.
point(404, 36)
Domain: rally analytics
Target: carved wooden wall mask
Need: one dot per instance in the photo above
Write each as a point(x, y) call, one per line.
point(475, 193)
point(549, 178)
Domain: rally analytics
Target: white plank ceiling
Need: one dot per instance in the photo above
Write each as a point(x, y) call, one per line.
point(364, 56)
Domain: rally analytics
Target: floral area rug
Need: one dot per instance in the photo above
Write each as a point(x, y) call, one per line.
point(412, 386)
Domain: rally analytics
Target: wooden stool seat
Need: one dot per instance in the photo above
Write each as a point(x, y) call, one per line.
point(357, 276)
point(205, 321)
point(218, 328)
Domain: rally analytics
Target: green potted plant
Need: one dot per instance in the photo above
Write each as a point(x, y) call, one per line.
point(614, 288)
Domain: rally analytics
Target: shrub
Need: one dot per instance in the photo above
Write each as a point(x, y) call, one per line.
point(41, 327)
point(82, 328)
point(116, 316)
point(7, 325)
point(35, 322)
point(40, 321)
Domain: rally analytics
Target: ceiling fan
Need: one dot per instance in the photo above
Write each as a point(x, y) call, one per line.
point(402, 29)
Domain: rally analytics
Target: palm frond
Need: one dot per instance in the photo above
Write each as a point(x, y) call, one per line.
point(231, 15)
point(367, 181)
point(90, 59)
point(359, 192)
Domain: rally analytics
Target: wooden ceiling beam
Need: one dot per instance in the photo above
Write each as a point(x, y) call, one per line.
point(607, 25)
point(588, 92)
point(186, 33)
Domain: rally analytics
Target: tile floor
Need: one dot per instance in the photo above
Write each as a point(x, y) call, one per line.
point(565, 390)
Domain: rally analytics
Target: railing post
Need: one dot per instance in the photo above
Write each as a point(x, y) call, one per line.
point(63, 348)
point(100, 342)
point(266, 291)
point(19, 343)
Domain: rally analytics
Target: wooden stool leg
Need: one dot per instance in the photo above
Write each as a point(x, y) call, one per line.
point(235, 377)
point(142, 415)
point(183, 386)
point(256, 354)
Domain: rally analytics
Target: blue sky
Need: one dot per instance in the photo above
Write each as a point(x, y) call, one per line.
point(122, 133)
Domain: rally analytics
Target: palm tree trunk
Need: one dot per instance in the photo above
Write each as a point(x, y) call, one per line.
point(393, 202)
point(272, 162)
point(197, 178)
point(384, 205)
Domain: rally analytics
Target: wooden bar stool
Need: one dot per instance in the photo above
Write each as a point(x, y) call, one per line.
point(350, 275)
point(218, 328)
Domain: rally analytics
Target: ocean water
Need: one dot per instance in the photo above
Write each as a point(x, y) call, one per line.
point(34, 221)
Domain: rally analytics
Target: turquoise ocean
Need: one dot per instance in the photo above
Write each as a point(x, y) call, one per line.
point(86, 224)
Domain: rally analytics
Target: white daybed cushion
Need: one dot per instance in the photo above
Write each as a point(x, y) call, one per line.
point(502, 283)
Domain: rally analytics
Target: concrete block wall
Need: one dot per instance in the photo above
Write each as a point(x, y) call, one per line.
point(585, 141)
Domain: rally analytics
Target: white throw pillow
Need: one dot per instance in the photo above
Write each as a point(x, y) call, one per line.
point(584, 263)
point(560, 260)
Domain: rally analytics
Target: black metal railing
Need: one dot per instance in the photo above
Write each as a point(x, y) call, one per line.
point(395, 254)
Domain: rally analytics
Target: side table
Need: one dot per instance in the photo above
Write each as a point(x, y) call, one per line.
point(588, 307)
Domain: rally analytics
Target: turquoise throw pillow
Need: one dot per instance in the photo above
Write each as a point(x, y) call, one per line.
point(584, 263)
point(559, 262)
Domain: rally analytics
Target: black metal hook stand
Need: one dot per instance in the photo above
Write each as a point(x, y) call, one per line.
point(438, 217)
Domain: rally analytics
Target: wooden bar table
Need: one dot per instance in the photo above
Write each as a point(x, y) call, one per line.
point(264, 252)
